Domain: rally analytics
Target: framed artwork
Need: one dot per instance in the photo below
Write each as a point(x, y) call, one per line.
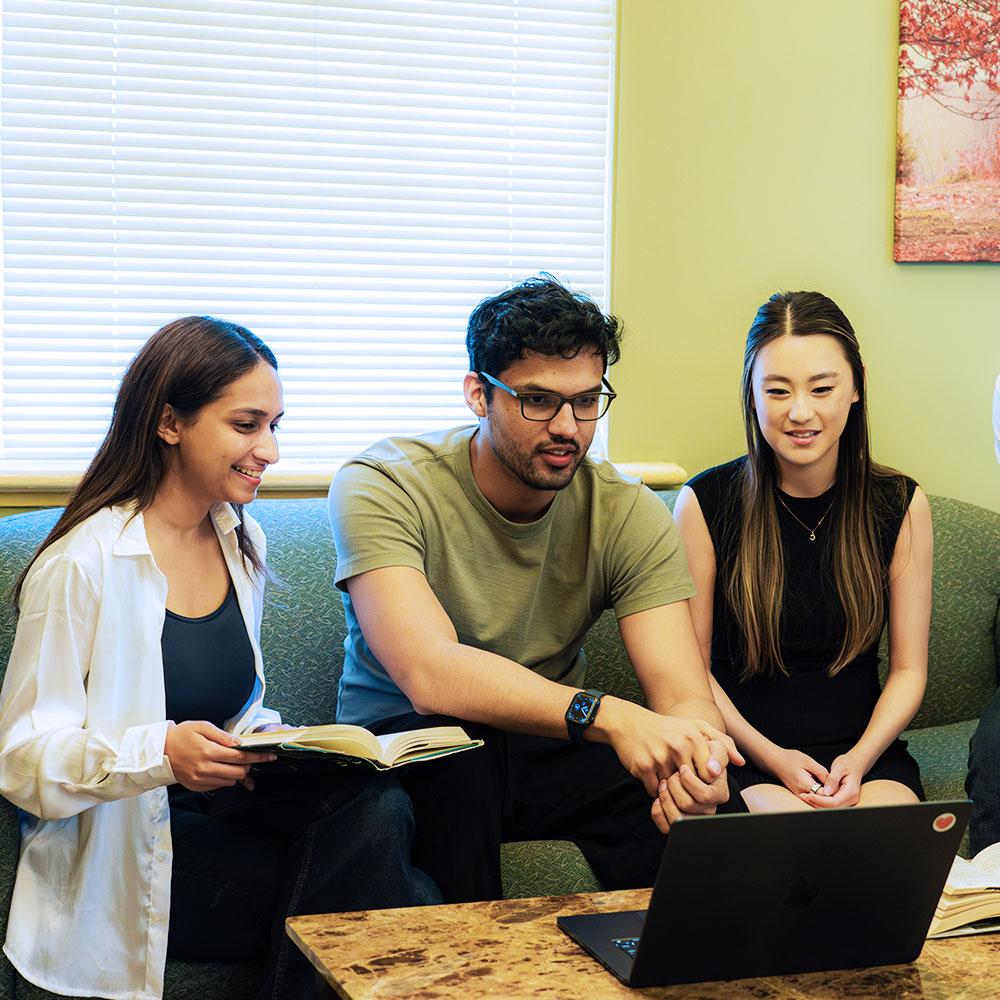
point(948, 131)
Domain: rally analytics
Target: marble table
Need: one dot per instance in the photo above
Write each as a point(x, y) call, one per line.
point(513, 949)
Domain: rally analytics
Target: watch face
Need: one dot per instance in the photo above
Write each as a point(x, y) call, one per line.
point(581, 708)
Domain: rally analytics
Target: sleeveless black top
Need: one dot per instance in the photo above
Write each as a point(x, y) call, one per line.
point(808, 707)
point(208, 663)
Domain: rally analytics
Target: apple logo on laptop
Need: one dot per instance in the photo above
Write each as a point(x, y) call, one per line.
point(802, 892)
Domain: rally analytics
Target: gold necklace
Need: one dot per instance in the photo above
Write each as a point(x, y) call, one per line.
point(812, 531)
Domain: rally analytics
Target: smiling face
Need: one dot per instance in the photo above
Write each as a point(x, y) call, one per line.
point(220, 453)
point(514, 456)
point(803, 390)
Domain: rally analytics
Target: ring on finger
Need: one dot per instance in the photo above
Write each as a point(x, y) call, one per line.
point(815, 788)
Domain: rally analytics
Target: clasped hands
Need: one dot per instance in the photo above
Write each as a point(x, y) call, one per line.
point(680, 761)
point(813, 783)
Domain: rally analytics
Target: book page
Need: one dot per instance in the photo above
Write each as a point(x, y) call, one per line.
point(988, 859)
point(980, 927)
point(971, 876)
point(395, 746)
point(353, 740)
point(987, 900)
point(974, 909)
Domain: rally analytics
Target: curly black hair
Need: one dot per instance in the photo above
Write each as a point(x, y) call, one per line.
point(540, 315)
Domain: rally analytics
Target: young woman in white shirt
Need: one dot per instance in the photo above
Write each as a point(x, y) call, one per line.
point(136, 659)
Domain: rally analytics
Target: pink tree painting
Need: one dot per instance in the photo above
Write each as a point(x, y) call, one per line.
point(948, 131)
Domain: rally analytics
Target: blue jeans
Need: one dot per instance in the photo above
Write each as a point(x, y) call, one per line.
point(983, 781)
point(323, 842)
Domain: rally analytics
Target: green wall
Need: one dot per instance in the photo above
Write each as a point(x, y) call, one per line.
point(755, 152)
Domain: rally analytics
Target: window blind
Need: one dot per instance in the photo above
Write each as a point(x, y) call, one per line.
point(347, 179)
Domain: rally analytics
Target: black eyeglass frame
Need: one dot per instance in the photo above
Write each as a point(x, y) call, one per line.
point(610, 396)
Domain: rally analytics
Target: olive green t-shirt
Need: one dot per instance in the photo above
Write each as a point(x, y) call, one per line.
point(528, 592)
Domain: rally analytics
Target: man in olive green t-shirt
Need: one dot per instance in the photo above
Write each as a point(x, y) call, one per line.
point(474, 561)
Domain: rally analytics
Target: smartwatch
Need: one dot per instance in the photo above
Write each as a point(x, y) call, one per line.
point(581, 713)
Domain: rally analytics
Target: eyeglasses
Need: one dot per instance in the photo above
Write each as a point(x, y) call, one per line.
point(543, 406)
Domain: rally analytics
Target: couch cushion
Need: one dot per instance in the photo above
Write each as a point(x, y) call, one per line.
point(608, 666)
point(302, 634)
point(963, 654)
point(545, 868)
point(9, 850)
point(943, 754)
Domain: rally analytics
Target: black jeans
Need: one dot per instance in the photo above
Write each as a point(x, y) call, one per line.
point(328, 841)
point(527, 788)
point(983, 781)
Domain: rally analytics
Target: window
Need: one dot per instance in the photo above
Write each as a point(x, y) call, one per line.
point(347, 179)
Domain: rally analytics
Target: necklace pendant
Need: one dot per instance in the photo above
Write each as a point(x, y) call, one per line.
point(811, 531)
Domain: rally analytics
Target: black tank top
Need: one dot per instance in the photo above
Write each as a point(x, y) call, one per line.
point(808, 707)
point(208, 663)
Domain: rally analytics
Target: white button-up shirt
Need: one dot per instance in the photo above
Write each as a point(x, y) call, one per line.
point(82, 733)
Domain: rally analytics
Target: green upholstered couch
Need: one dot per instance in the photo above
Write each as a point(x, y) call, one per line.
point(302, 637)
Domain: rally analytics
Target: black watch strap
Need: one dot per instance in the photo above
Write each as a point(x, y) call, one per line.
point(581, 713)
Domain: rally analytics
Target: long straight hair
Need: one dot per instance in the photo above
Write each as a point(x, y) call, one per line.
point(755, 581)
point(187, 364)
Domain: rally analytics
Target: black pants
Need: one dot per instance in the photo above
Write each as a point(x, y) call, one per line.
point(527, 788)
point(330, 841)
point(983, 780)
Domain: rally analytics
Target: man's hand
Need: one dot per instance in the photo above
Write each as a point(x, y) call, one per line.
point(685, 794)
point(652, 747)
point(203, 757)
point(843, 785)
point(797, 771)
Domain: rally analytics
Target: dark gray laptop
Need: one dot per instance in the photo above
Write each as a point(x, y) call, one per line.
point(774, 893)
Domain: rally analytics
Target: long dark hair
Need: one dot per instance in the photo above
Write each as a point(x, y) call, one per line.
point(187, 364)
point(755, 580)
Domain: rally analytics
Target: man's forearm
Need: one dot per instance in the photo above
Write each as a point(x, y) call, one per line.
point(410, 634)
point(701, 709)
point(479, 686)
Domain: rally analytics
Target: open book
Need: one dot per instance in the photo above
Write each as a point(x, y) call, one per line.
point(354, 743)
point(970, 903)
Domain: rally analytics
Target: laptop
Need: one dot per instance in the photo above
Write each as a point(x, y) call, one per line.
point(761, 894)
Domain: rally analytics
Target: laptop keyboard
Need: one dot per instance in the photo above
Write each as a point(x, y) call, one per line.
point(629, 945)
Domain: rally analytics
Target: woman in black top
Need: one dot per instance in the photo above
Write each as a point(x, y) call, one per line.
point(802, 550)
